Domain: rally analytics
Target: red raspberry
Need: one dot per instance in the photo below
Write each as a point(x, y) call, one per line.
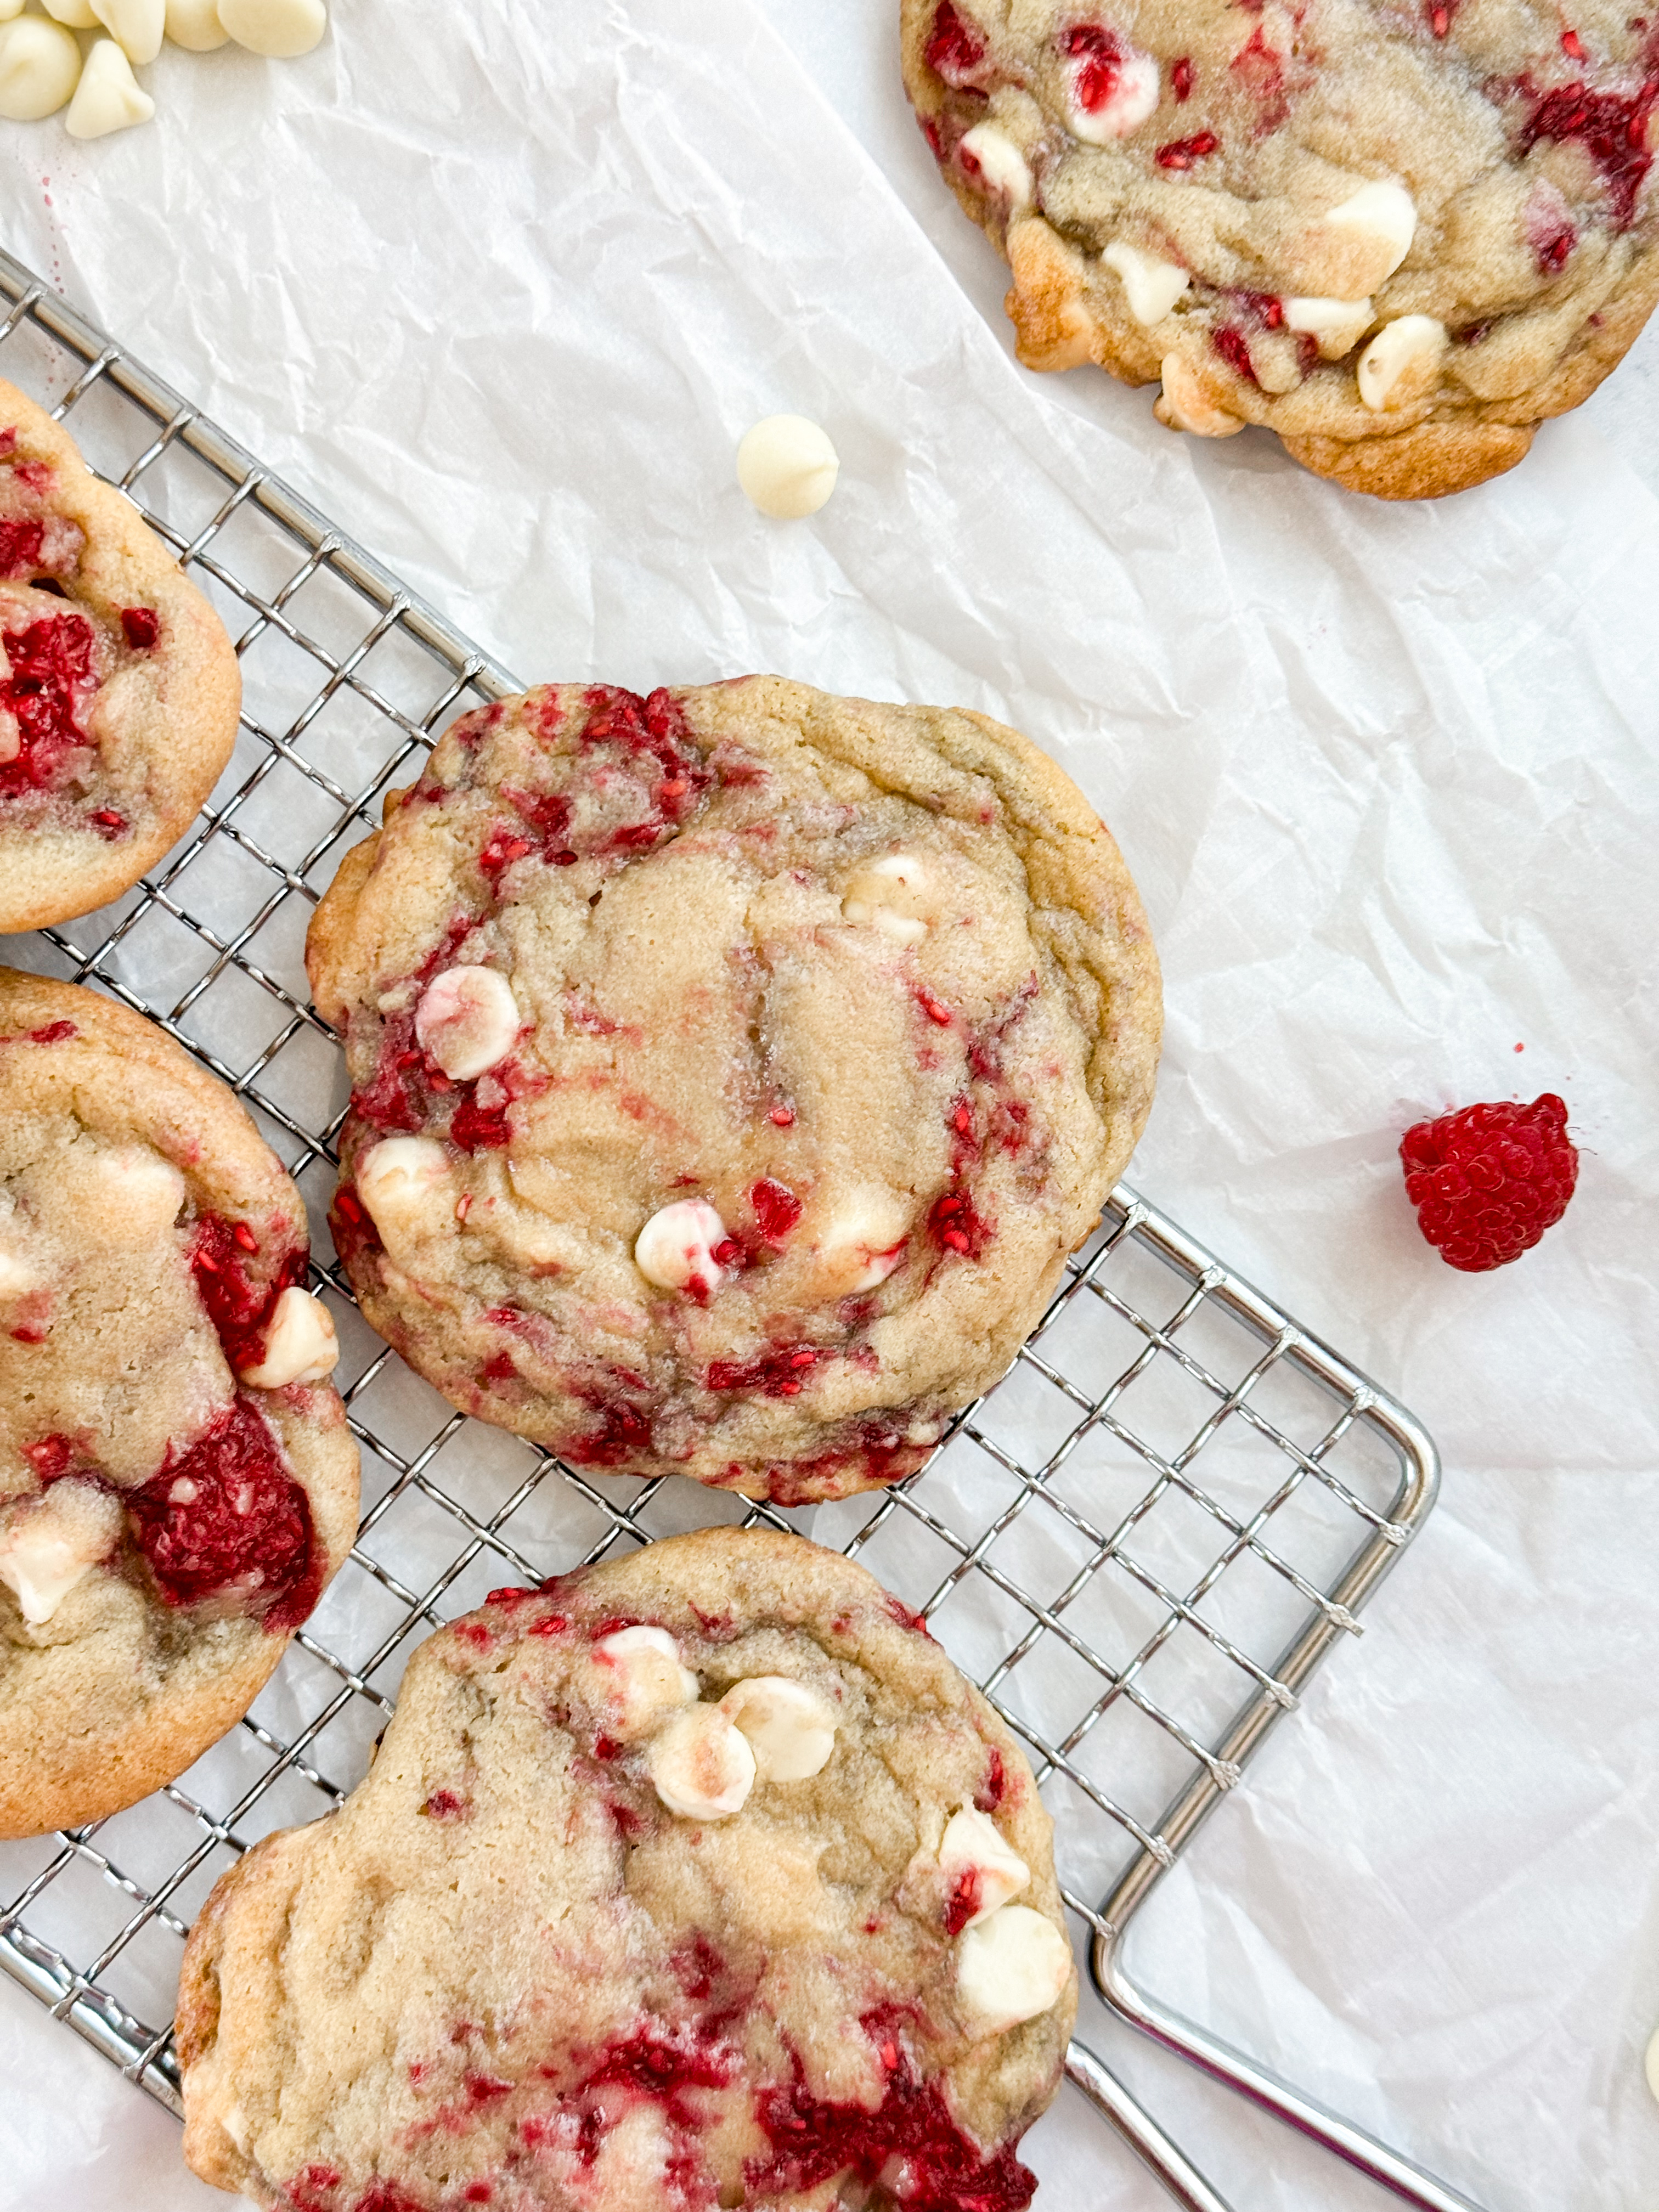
point(1489, 1180)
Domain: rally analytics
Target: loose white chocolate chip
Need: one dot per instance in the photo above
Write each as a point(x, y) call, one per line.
point(1185, 405)
point(890, 895)
point(973, 1845)
point(136, 25)
point(1001, 164)
point(1402, 362)
point(675, 1248)
point(1384, 215)
point(405, 1183)
point(862, 1241)
point(194, 25)
point(787, 466)
point(1132, 95)
point(1150, 286)
point(8, 10)
point(1336, 325)
point(700, 1764)
point(643, 1679)
point(131, 1194)
point(48, 1543)
point(1010, 1967)
point(39, 64)
point(280, 28)
point(468, 1019)
point(790, 1729)
point(301, 1345)
point(77, 13)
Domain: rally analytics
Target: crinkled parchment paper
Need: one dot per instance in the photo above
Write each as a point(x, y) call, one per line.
point(500, 287)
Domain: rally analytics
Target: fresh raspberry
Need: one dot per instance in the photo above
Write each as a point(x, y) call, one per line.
point(1489, 1180)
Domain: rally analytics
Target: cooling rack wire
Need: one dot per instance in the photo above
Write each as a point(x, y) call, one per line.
point(1141, 1544)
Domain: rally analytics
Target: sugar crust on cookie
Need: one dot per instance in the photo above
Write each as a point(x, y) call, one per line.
point(816, 1033)
point(166, 1518)
point(120, 690)
point(1400, 236)
point(506, 1965)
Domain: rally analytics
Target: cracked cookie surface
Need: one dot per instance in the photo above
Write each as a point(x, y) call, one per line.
point(177, 1482)
point(1400, 236)
point(119, 690)
point(508, 1971)
point(732, 1071)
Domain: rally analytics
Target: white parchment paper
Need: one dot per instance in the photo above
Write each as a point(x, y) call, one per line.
point(501, 287)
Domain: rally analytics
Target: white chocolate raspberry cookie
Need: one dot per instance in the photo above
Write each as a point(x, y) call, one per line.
point(119, 688)
point(744, 1939)
point(176, 1481)
point(734, 1070)
point(1401, 235)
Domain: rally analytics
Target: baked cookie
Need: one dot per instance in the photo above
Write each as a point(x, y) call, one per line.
point(120, 691)
point(734, 1069)
point(701, 1878)
point(177, 1482)
point(1401, 235)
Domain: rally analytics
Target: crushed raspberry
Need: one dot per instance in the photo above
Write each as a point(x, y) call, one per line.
point(956, 1224)
point(1572, 45)
point(875, 1453)
point(1099, 58)
point(1181, 153)
point(52, 1456)
point(1438, 15)
point(447, 1805)
point(19, 548)
point(953, 51)
point(141, 626)
point(991, 1791)
point(935, 1009)
point(53, 1033)
point(812, 2141)
point(777, 1209)
point(622, 1430)
point(915, 1622)
point(1489, 1180)
point(108, 824)
point(1234, 348)
point(963, 1902)
point(224, 1513)
point(1611, 127)
point(478, 1128)
point(1181, 77)
point(305, 2193)
point(238, 1307)
point(353, 1232)
point(46, 692)
point(779, 1374)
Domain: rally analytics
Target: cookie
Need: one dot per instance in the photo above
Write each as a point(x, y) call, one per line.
point(732, 1071)
point(1400, 236)
point(176, 1481)
point(699, 1878)
point(120, 691)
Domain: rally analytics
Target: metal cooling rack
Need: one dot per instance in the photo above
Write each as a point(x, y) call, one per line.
point(1141, 1544)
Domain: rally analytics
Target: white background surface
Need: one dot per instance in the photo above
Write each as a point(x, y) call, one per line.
point(501, 298)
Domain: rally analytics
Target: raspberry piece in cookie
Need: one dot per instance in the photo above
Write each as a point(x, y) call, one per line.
point(1399, 236)
point(1489, 1180)
point(732, 1071)
point(119, 688)
point(177, 1482)
point(719, 1960)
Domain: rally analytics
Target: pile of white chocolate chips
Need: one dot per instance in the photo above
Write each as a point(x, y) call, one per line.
point(44, 66)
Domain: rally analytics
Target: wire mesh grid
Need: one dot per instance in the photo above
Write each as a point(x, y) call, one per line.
point(1140, 1543)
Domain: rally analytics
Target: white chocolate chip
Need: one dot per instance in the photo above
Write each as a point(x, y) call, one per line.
point(790, 1729)
point(1383, 215)
point(131, 1195)
point(136, 25)
point(1003, 166)
point(18, 1273)
point(973, 1846)
point(787, 466)
point(108, 97)
point(8, 10)
point(1130, 98)
point(642, 1679)
point(700, 1764)
point(469, 1020)
point(1150, 286)
point(48, 1543)
point(77, 13)
point(891, 895)
point(405, 1183)
point(1402, 363)
point(301, 1345)
point(281, 28)
point(39, 64)
point(194, 25)
point(1336, 325)
point(1010, 1967)
point(1185, 405)
point(675, 1248)
point(862, 1241)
